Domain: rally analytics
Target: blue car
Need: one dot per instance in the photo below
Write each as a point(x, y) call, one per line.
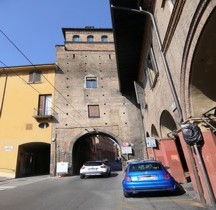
point(147, 176)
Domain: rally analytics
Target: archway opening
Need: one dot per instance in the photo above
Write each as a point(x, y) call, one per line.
point(33, 159)
point(203, 74)
point(96, 146)
point(168, 129)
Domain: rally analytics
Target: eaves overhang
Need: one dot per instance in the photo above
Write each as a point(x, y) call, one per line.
point(128, 31)
point(27, 68)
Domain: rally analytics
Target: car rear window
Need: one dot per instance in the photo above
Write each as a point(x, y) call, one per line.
point(93, 163)
point(145, 167)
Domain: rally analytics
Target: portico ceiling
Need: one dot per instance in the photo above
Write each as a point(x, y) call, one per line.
point(128, 29)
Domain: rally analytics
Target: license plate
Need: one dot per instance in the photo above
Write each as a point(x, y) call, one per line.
point(92, 169)
point(143, 178)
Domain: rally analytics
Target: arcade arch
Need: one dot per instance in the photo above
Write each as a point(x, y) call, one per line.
point(198, 63)
point(167, 123)
point(154, 132)
point(168, 126)
point(203, 74)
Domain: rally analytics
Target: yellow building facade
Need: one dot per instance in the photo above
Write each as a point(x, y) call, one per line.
point(26, 117)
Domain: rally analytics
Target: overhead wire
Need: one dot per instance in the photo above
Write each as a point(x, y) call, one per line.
point(33, 88)
point(41, 74)
point(18, 76)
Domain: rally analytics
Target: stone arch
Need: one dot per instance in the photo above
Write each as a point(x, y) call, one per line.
point(168, 127)
point(167, 123)
point(197, 74)
point(154, 132)
point(83, 148)
point(90, 38)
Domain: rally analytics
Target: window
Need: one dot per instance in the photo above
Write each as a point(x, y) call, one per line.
point(91, 82)
point(145, 167)
point(90, 38)
point(93, 111)
point(104, 38)
point(34, 77)
point(45, 105)
point(76, 38)
point(152, 70)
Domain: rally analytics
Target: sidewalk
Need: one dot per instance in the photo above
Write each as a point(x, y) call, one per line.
point(2, 179)
point(188, 187)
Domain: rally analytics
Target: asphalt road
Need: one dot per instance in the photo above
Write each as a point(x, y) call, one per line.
point(73, 193)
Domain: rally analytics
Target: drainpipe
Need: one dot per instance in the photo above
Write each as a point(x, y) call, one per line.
point(141, 108)
point(167, 71)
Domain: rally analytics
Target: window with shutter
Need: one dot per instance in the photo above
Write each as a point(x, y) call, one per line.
point(93, 111)
point(34, 77)
point(152, 70)
point(45, 105)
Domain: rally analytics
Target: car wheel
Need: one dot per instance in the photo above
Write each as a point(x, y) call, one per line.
point(82, 176)
point(126, 195)
point(109, 173)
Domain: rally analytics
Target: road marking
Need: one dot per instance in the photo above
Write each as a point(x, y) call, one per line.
point(2, 188)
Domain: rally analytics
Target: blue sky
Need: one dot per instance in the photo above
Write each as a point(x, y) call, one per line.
point(35, 26)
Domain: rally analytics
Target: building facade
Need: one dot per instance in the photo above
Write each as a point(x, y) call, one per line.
point(173, 49)
point(91, 102)
point(26, 116)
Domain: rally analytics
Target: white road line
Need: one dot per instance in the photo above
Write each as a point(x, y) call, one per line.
point(2, 188)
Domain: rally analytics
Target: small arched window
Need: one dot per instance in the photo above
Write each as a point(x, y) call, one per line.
point(76, 38)
point(90, 38)
point(104, 38)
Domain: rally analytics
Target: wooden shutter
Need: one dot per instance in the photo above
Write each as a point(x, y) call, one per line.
point(93, 111)
point(41, 107)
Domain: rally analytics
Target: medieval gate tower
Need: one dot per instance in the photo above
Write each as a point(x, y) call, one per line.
point(90, 106)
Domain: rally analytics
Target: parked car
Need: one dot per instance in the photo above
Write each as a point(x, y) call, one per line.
point(93, 168)
point(147, 176)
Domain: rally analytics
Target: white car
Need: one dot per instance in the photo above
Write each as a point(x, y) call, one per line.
point(94, 168)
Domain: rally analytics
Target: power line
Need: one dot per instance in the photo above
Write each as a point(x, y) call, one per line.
point(18, 76)
point(41, 74)
point(34, 88)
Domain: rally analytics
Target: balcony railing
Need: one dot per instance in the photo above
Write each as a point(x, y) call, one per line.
point(44, 114)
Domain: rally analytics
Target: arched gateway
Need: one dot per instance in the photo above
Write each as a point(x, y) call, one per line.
point(94, 146)
point(92, 113)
